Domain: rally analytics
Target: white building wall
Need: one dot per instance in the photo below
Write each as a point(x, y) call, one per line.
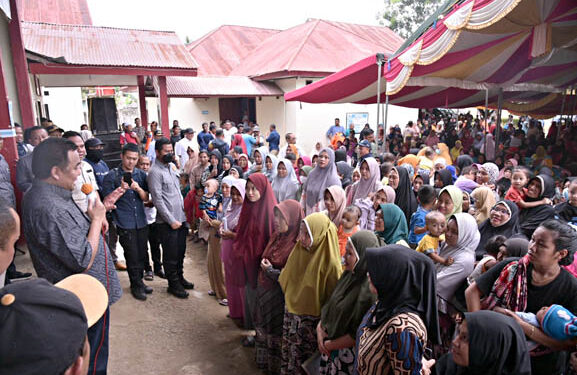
point(270, 110)
point(192, 112)
point(65, 107)
point(9, 77)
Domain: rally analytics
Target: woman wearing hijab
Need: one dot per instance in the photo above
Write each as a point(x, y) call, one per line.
point(389, 226)
point(450, 201)
point(259, 156)
point(491, 170)
point(285, 184)
point(503, 220)
point(443, 178)
point(404, 197)
point(321, 177)
point(484, 202)
point(344, 311)
point(255, 227)
point(214, 169)
point(244, 164)
point(479, 141)
point(227, 163)
point(335, 204)
point(308, 280)
point(340, 154)
point(233, 267)
point(456, 150)
point(487, 343)
point(393, 334)
point(345, 172)
point(270, 302)
point(369, 182)
point(461, 239)
point(539, 187)
point(270, 163)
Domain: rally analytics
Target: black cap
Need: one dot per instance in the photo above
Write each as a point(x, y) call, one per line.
point(43, 327)
point(188, 131)
point(93, 142)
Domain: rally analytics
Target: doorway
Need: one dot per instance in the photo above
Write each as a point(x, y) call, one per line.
point(235, 109)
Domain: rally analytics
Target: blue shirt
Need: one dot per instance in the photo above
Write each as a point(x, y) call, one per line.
point(249, 141)
point(204, 139)
point(129, 212)
point(273, 140)
point(334, 130)
point(100, 171)
point(417, 220)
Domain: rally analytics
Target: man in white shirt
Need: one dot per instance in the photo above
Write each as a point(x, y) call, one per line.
point(181, 146)
point(228, 131)
point(87, 175)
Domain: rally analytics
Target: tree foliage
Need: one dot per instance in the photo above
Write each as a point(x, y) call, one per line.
point(405, 16)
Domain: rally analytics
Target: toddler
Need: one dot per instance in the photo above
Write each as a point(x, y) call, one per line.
point(555, 321)
point(567, 211)
point(426, 161)
point(211, 202)
point(435, 225)
point(349, 226)
point(417, 227)
point(517, 192)
point(492, 248)
point(368, 208)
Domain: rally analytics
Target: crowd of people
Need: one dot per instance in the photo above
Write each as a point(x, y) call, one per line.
point(449, 253)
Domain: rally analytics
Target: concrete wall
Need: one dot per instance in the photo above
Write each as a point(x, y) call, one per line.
point(189, 111)
point(9, 77)
point(65, 106)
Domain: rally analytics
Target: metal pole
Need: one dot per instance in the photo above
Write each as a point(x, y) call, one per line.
point(379, 62)
point(486, 117)
point(561, 115)
point(498, 128)
point(386, 121)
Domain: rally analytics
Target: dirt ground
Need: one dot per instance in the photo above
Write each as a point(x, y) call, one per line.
point(166, 335)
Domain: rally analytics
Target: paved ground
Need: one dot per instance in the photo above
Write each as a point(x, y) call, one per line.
point(165, 335)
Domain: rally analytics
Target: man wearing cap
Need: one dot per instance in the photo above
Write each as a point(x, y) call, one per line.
point(44, 326)
point(94, 156)
point(364, 150)
point(164, 187)
point(61, 239)
point(181, 147)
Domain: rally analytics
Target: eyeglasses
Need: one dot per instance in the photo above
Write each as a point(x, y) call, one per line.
point(502, 211)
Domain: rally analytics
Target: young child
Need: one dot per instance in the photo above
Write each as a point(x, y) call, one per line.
point(555, 321)
point(184, 185)
point(426, 162)
point(435, 225)
point(211, 202)
point(417, 227)
point(492, 247)
point(517, 192)
point(368, 208)
point(567, 211)
point(349, 226)
point(466, 181)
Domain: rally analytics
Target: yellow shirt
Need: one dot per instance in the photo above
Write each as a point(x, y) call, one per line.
point(425, 163)
point(429, 244)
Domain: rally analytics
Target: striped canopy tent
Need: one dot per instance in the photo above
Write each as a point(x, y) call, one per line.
point(523, 52)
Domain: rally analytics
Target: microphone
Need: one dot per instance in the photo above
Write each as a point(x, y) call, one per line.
point(90, 193)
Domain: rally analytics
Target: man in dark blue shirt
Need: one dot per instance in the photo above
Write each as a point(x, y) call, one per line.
point(129, 216)
point(204, 137)
point(273, 140)
point(94, 156)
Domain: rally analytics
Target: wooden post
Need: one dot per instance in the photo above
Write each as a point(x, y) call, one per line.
point(20, 68)
point(163, 95)
point(142, 101)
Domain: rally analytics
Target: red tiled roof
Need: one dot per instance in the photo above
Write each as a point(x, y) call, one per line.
point(107, 46)
point(316, 48)
point(221, 50)
point(72, 12)
point(219, 86)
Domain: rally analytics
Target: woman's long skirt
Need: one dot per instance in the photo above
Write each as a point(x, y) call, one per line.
point(234, 292)
point(214, 264)
point(268, 323)
point(299, 342)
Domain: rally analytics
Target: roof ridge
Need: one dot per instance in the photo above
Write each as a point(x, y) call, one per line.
point(302, 44)
point(195, 43)
point(96, 27)
point(337, 25)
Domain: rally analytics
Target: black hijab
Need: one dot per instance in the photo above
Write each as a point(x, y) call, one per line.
point(347, 171)
point(216, 153)
point(445, 176)
point(405, 282)
point(464, 161)
point(405, 198)
point(231, 160)
point(517, 247)
point(531, 218)
point(508, 229)
point(497, 346)
point(340, 155)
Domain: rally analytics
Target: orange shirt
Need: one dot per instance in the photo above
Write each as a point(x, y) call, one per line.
point(343, 237)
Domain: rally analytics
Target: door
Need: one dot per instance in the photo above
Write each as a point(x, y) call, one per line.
point(235, 109)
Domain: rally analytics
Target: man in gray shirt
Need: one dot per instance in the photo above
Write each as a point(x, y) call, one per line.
point(63, 240)
point(164, 187)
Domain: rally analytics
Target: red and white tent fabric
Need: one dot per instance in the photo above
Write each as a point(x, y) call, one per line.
point(528, 48)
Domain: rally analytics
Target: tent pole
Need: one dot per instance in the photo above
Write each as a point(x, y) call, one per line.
point(386, 121)
point(378, 90)
point(486, 118)
point(561, 114)
point(498, 128)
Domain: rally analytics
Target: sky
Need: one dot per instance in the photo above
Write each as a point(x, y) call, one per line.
point(195, 18)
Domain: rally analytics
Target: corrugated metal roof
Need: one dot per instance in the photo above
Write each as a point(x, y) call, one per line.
point(107, 46)
point(70, 12)
point(221, 50)
point(317, 47)
point(220, 86)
